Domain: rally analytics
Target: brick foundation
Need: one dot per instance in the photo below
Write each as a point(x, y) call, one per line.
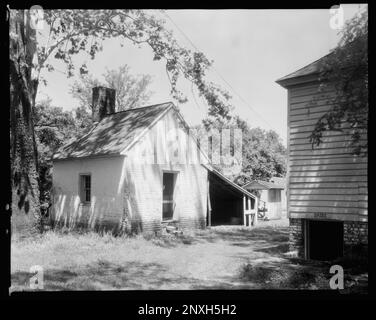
point(134, 226)
point(296, 236)
point(355, 236)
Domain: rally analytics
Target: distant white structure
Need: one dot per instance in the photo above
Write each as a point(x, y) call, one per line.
point(272, 196)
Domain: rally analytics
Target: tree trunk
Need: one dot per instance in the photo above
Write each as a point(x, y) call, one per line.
point(26, 214)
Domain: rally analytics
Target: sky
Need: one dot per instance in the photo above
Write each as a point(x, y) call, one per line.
point(251, 49)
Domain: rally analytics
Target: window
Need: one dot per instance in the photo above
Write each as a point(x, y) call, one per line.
point(168, 204)
point(253, 202)
point(274, 195)
point(85, 185)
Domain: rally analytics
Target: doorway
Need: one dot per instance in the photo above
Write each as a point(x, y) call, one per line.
point(226, 203)
point(168, 202)
point(324, 240)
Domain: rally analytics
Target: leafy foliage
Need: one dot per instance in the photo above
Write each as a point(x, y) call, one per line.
point(53, 127)
point(131, 91)
point(263, 154)
point(346, 70)
point(76, 31)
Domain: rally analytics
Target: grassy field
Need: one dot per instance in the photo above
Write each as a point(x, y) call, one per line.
point(219, 258)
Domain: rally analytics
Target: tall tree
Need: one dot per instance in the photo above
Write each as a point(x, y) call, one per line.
point(53, 127)
point(23, 89)
point(346, 70)
point(71, 32)
point(131, 91)
point(262, 155)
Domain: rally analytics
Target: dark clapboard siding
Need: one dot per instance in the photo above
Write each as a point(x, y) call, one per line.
point(327, 180)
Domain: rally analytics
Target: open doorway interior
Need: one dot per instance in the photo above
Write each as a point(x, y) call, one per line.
point(324, 240)
point(226, 202)
point(168, 205)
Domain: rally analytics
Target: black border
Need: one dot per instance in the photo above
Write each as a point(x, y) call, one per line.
point(244, 299)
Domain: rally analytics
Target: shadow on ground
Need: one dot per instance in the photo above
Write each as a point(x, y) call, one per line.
point(109, 276)
point(258, 255)
point(237, 236)
point(102, 275)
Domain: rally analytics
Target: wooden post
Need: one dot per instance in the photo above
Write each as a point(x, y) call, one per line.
point(244, 211)
point(306, 238)
point(209, 204)
point(256, 211)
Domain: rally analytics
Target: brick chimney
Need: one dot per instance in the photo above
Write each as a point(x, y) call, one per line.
point(103, 102)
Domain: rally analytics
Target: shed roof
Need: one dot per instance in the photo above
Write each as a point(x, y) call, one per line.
point(226, 180)
point(263, 185)
point(279, 180)
point(113, 133)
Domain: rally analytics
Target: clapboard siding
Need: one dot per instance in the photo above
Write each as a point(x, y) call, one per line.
point(328, 178)
point(309, 90)
point(329, 197)
point(303, 172)
point(329, 203)
point(331, 167)
point(307, 116)
point(345, 192)
point(312, 122)
point(308, 128)
point(317, 156)
point(322, 173)
point(330, 139)
point(326, 185)
point(320, 152)
point(328, 161)
point(312, 99)
point(329, 209)
point(309, 111)
point(327, 135)
point(311, 105)
point(338, 178)
point(322, 146)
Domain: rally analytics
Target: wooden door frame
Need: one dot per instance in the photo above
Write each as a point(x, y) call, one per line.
point(306, 235)
point(176, 174)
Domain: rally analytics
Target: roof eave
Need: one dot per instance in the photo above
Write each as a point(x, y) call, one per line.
point(289, 82)
point(95, 156)
point(260, 185)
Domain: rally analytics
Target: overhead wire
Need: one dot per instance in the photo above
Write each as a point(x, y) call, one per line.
point(218, 73)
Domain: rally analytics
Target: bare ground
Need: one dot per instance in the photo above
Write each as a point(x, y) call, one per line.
point(219, 258)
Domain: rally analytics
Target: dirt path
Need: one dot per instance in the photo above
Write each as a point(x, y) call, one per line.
point(208, 259)
point(214, 259)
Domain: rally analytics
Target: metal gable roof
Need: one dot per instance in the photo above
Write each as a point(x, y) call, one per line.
point(113, 133)
point(308, 70)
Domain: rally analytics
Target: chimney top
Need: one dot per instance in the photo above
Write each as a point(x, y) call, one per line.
point(103, 102)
